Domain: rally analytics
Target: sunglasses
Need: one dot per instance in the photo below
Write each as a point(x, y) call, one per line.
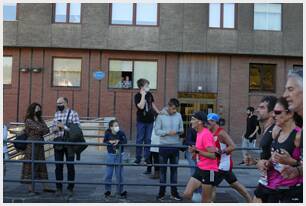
point(278, 112)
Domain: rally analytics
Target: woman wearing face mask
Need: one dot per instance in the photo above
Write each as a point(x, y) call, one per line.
point(207, 164)
point(114, 137)
point(286, 140)
point(35, 128)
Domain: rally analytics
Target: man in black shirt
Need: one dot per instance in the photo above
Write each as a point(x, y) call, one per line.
point(146, 111)
point(249, 137)
point(265, 116)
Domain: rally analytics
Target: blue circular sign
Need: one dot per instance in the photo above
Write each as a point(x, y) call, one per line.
point(99, 75)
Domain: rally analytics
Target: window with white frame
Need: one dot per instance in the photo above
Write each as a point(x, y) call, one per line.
point(222, 15)
point(145, 14)
point(267, 17)
point(123, 74)
point(67, 13)
point(67, 72)
point(7, 69)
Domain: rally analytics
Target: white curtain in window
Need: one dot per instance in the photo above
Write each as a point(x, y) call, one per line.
point(7, 70)
point(267, 17)
point(67, 72)
point(146, 70)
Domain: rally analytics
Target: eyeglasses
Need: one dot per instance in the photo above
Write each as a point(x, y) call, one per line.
point(278, 112)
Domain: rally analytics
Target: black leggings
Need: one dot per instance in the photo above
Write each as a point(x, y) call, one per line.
point(154, 157)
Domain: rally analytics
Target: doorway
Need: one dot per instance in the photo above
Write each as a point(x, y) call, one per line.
point(193, 102)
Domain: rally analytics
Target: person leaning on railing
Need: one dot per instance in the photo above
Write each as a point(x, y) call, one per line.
point(35, 128)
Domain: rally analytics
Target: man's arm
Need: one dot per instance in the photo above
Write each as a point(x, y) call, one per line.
point(228, 141)
point(155, 108)
point(181, 126)
point(158, 127)
point(54, 128)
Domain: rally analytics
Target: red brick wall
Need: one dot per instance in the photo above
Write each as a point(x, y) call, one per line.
point(113, 102)
point(233, 84)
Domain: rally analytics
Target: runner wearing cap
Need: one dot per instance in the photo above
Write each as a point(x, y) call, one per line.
point(225, 146)
point(207, 165)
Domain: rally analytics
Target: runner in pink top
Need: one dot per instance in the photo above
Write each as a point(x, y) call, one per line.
point(207, 166)
point(205, 139)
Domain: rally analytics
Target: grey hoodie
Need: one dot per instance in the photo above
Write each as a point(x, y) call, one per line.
point(165, 123)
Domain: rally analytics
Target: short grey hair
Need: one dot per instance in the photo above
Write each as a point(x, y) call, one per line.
point(297, 74)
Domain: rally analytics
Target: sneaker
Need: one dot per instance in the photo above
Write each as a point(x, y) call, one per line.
point(123, 194)
point(242, 163)
point(148, 161)
point(107, 194)
point(176, 196)
point(160, 197)
point(155, 176)
point(70, 192)
point(58, 192)
point(137, 161)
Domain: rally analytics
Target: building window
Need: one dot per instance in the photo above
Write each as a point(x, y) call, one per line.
point(9, 11)
point(267, 17)
point(67, 13)
point(7, 70)
point(67, 72)
point(134, 14)
point(123, 74)
point(222, 15)
point(262, 77)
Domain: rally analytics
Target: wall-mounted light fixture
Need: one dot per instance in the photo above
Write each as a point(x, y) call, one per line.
point(24, 69)
point(36, 70)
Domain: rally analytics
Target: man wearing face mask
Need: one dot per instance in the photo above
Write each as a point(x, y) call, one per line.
point(62, 118)
point(146, 110)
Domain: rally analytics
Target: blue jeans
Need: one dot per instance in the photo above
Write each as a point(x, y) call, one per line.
point(144, 133)
point(111, 159)
point(173, 157)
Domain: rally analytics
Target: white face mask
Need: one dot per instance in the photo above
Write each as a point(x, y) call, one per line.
point(147, 89)
point(115, 129)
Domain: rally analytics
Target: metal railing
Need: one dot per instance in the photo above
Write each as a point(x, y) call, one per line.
point(119, 182)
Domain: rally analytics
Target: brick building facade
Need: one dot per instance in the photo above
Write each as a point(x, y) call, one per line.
point(206, 68)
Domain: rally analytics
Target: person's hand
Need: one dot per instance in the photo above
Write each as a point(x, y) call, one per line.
point(142, 91)
point(60, 125)
point(191, 149)
point(289, 172)
point(172, 133)
point(283, 158)
point(263, 165)
point(116, 142)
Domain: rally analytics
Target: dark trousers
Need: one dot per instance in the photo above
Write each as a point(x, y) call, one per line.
point(59, 156)
point(154, 157)
point(144, 133)
point(173, 157)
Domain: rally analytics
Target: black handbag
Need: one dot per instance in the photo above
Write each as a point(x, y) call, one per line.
point(18, 145)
